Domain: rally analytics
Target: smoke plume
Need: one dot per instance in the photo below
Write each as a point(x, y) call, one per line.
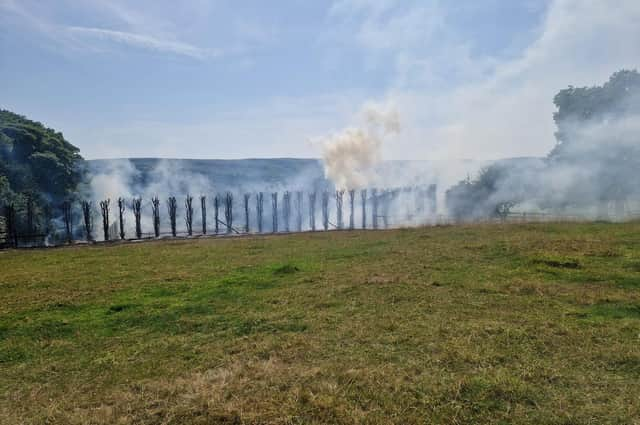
point(349, 157)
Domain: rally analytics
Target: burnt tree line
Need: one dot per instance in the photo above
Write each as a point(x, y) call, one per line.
point(288, 210)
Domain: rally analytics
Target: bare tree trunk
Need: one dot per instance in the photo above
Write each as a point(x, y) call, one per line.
point(188, 216)
point(312, 211)
point(374, 217)
point(386, 204)
point(274, 211)
point(339, 198)
point(259, 210)
point(363, 198)
point(172, 209)
point(433, 200)
point(104, 209)
point(11, 223)
point(203, 210)
point(286, 201)
point(136, 207)
point(247, 196)
point(68, 220)
point(30, 215)
point(121, 208)
point(299, 196)
point(325, 210)
point(216, 212)
point(155, 205)
point(88, 221)
point(228, 211)
point(352, 198)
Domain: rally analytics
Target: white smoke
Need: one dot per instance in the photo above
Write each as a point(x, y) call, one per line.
point(349, 156)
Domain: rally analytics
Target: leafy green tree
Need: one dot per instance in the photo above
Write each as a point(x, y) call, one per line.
point(599, 129)
point(36, 163)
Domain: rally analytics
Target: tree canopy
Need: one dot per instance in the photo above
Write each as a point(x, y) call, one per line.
point(596, 158)
point(36, 163)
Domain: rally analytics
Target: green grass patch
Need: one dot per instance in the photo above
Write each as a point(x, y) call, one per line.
point(524, 324)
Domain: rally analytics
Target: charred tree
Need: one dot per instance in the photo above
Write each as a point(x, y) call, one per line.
point(155, 205)
point(104, 211)
point(299, 196)
point(312, 211)
point(352, 199)
point(87, 219)
point(259, 210)
point(374, 209)
point(274, 212)
point(247, 196)
point(203, 210)
point(386, 205)
point(121, 208)
point(216, 212)
point(30, 210)
point(172, 209)
point(286, 209)
point(67, 219)
point(363, 199)
point(325, 210)
point(339, 218)
point(228, 211)
point(433, 202)
point(136, 207)
point(12, 225)
point(188, 214)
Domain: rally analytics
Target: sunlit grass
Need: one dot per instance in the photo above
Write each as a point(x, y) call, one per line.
point(530, 323)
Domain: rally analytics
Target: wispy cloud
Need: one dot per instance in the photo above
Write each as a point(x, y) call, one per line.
point(143, 41)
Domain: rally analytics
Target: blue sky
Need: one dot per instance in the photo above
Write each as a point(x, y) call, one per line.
point(222, 79)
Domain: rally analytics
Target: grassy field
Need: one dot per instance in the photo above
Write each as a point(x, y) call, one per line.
point(535, 323)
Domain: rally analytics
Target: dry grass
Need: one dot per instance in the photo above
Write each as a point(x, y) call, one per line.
point(534, 324)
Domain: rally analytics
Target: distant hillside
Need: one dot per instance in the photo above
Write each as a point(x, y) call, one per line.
point(149, 176)
point(193, 175)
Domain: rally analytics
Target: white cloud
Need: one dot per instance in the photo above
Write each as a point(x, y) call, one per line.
point(495, 107)
point(145, 42)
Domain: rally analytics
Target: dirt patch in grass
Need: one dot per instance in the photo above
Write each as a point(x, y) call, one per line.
point(562, 264)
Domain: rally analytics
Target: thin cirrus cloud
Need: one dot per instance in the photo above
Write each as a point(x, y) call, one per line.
point(143, 41)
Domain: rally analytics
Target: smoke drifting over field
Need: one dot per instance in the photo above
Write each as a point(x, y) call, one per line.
point(349, 157)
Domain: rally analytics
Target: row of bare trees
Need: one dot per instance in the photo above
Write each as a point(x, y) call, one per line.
point(287, 206)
